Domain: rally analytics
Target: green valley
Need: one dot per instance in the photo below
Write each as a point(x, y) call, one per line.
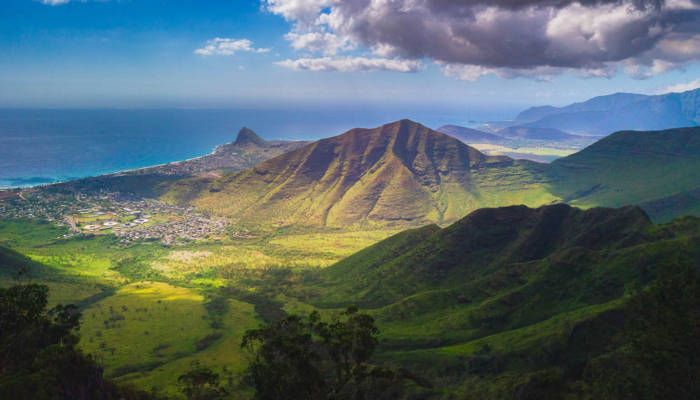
point(350, 200)
point(475, 293)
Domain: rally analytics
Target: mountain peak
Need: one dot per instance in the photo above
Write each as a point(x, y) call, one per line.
point(392, 127)
point(401, 173)
point(404, 122)
point(246, 137)
point(417, 146)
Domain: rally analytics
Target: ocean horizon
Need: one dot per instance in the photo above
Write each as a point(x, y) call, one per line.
point(40, 147)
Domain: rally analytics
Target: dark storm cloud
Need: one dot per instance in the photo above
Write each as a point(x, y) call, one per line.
point(511, 34)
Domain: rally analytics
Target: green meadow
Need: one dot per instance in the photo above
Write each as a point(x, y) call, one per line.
point(147, 308)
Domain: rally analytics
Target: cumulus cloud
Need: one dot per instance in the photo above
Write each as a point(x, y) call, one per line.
point(470, 38)
point(682, 87)
point(303, 12)
point(352, 64)
point(228, 47)
point(324, 42)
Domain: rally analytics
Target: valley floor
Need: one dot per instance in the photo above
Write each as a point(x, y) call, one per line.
point(150, 310)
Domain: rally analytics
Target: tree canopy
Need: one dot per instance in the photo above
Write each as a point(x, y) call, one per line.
point(38, 355)
point(308, 358)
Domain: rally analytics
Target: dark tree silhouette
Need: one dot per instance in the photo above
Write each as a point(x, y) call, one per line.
point(201, 383)
point(307, 358)
point(38, 357)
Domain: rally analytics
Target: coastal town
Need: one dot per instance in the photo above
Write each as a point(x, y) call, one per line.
point(130, 219)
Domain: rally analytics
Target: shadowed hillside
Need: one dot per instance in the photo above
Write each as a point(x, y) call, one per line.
point(14, 265)
point(402, 173)
point(485, 241)
point(633, 168)
point(510, 294)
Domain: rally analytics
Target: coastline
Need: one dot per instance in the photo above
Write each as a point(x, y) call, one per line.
point(213, 152)
point(59, 180)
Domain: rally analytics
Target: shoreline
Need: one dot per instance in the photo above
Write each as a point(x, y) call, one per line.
point(116, 173)
point(213, 152)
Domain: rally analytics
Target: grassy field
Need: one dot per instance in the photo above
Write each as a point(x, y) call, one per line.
point(149, 333)
point(145, 312)
point(150, 311)
point(223, 353)
point(26, 233)
point(140, 321)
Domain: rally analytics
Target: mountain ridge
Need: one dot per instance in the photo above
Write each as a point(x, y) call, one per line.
point(632, 167)
point(489, 238)
point(603, 115)
point(401, 172)
point(508, 292)
point(598, 103)
point(405, 174)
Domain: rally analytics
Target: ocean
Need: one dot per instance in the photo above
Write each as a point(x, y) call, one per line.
point(45, 146)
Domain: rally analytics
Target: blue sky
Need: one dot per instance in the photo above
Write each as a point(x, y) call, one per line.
point(143, 53)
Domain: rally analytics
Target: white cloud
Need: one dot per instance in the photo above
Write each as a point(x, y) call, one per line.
point(327, 43)
point(303, 12)
point(466, 72)
point(54, 2)
point(474, 72)
point(651, 68)
point(682, 87)
point(351, 64)
point(228, 47)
